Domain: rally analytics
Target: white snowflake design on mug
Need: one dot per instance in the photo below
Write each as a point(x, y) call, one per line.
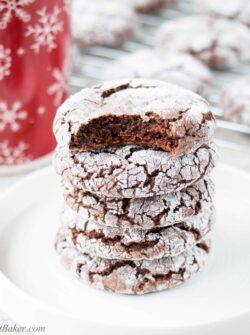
point(11, 116)
point(13, 155)
point(10, 8)
point(46, 29)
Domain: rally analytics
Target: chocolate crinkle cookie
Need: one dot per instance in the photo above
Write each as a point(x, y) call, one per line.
point(218, 42)
point(143, 112)
point(149, 6)
point(147, 213)
point(235, 101)
point(102, 22)
point(131, 276)
point(133, 171)
point(232, 9)
point(137, 243)
point(173, 67)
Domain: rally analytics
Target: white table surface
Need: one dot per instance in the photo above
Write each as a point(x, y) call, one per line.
point(234, 158)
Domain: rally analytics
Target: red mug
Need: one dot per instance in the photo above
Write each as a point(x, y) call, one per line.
point(34, 73)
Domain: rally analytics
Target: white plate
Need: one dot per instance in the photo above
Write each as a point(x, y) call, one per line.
point(36, 290)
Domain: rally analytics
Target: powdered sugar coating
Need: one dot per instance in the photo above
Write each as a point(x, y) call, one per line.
point(134, 244)
point(174, 67)
point(232, 9)
point(218, 42)
point(132, 171)
point(146, 213)
point(147, 6)
point(133, 277)
point(189, 120)
point(103, 22)
point(235, 101)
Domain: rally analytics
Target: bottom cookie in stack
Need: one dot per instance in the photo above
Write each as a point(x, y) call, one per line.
point(133, 261)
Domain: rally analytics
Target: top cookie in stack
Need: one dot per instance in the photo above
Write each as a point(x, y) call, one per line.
point(140, 112)
point(134, 159)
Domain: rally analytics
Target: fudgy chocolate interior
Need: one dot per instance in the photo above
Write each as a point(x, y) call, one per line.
point(113, 130)
point(121, 130)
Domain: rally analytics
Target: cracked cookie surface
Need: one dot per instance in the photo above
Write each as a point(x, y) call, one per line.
point(220, 43)
point(144, 112)
point(133, 171)
point(235, 101)
point(174, 67)
point(133, 277)
point(146, 213)
point(134, 244)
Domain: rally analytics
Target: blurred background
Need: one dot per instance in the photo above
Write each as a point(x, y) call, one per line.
point(93, 64)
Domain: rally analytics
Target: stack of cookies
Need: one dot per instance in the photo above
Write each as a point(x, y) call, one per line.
point(134, 158)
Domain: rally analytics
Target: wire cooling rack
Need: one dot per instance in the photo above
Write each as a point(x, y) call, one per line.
point(89, 62)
